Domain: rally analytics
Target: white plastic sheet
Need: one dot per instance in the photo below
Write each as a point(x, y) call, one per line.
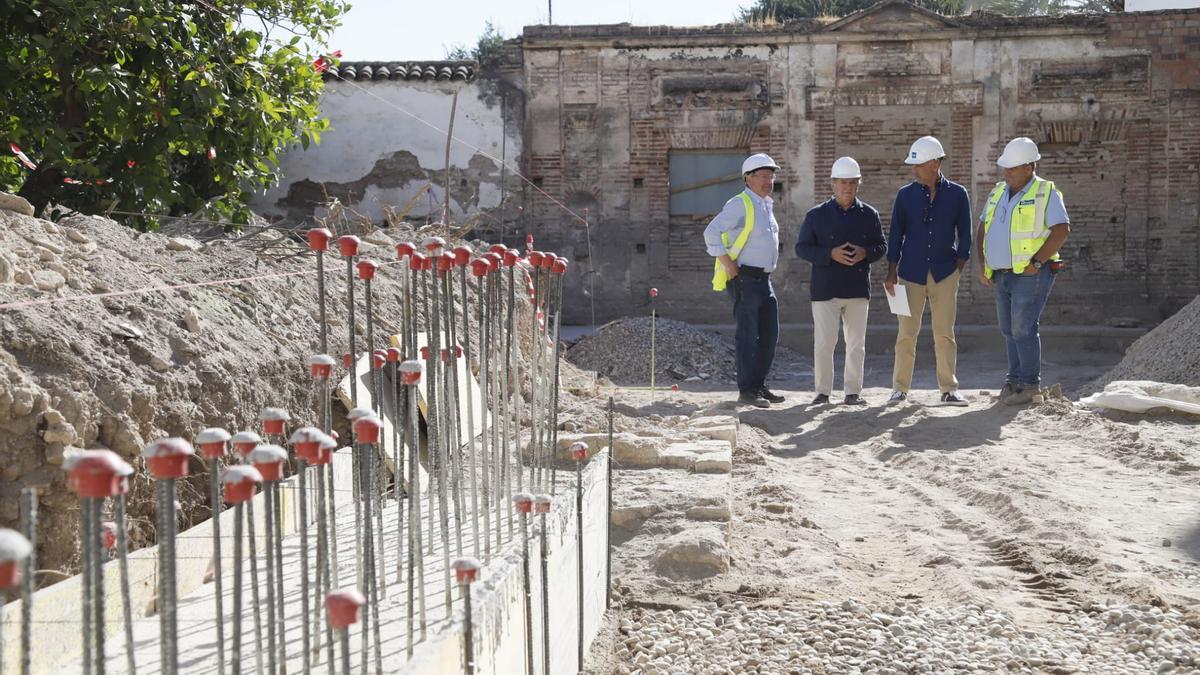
point(1141, 396)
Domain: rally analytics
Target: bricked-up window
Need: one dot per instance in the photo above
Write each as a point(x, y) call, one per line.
point(703, 180)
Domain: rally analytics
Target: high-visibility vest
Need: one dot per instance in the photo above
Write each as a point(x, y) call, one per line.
point(1027, 227)
point(719, 276)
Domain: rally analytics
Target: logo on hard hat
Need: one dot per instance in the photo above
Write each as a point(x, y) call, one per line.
point(914, 155)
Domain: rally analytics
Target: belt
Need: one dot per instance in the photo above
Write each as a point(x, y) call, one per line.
point(755, 272)
point(1009, 270)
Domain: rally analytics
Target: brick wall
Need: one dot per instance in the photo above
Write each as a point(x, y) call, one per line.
point(1115, 104)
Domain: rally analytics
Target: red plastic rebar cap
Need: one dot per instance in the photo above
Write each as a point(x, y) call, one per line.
point(366, 429)
point(14, 549)
point(269, 460)
point(318, 239)
point(212, 442)
point(433, 244)
point(548, 261)
point(378, 359)
point(480, 267)
point(445, 354)
point(493, 261)
point(579, 450)
point(445, 262)
point(95, 474)
point(654, 292)
point(167, 458)
point(393, 354)
point(274, 420)
point(674, 387)
point(462, 255)
point(244, 442)
point(347, 360)
point(108, 534)
point(560, 266)
point(410, 372)
point(416, 262)
point(404, 249)
point(320, 366)
point(511, 256)
point(343, 607)
point(239, 481)
point(542, 503)
point(307, 442)
point(425, 353)
point(465, 570)
point(458, 352)
point(367, 269)
point(535, 258)
point(348, 245)
point(523, 501)
point(427, 263)
point(529, 240)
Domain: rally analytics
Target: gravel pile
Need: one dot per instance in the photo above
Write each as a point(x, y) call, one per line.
point(1168, 353)
point(620, 351)
point(850, 637)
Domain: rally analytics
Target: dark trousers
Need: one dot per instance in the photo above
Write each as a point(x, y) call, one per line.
point(757, 315)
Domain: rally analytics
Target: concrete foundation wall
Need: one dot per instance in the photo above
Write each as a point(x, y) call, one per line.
point(57, 610)
point(497, 599)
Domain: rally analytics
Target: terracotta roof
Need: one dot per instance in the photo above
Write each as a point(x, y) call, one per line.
point(463, 71)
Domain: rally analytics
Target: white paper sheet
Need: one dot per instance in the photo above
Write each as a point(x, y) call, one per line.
point(898, 303)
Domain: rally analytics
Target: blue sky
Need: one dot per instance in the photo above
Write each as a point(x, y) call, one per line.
point(401, 30)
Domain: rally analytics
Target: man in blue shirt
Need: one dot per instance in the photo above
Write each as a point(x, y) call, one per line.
point(841, 237)
point(748, 270)
point(1021, 229)
point(928, 245)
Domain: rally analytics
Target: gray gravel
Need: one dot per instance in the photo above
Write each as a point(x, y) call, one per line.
point(850, 637)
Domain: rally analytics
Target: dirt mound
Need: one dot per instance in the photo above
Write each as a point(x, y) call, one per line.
point(1169, 353)
point(119, 370)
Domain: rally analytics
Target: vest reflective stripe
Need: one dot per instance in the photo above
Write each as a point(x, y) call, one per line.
point(719, 276)
point(1027, 229)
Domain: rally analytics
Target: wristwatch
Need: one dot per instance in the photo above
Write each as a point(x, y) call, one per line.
point(1037, 264)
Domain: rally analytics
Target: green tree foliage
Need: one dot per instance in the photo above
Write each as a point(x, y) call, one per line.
point(486, 50)
point(157, 106)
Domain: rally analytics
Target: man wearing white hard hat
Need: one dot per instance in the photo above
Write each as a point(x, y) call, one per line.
point(744, 239)
point(928, 245)
point(1021, 229)
point(841, 237)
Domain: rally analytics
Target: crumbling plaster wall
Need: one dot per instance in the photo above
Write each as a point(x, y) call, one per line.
point(1113, 102)
point(375, 156)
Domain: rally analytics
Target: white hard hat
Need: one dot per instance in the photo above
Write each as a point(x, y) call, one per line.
point(845, 167)
point(1019, 151)
point(924, 149)
point(760, 161)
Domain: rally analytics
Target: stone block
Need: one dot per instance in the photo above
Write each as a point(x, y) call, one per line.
point(719, 462)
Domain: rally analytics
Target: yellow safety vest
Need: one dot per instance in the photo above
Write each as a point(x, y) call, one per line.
point(1027, 228)
point(719, 276)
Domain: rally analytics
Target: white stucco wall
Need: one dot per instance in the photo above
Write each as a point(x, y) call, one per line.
point(372, 120)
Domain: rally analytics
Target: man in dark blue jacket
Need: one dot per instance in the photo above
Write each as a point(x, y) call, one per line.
point(928, 245)
point(841, 237)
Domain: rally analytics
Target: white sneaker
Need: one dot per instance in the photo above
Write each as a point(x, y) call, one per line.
point(954, 398)
point(898, 397)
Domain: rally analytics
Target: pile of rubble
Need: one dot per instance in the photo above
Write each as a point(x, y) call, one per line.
point(620, 351)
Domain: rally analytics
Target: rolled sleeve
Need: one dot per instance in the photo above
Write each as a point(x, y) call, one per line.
point(1056, 211)
point(730, 217)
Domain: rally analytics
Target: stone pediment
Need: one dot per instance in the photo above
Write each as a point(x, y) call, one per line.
point(892, 16)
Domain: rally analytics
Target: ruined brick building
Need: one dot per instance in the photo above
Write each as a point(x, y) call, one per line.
point(642, 130)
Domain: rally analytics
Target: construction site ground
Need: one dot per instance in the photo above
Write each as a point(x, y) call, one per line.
point(916, 538)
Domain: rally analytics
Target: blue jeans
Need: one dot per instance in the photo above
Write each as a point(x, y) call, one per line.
point(1019, 303)
point(757, 315)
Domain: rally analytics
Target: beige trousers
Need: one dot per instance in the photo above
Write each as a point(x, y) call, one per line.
point(943, 308)
point(851, 313)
